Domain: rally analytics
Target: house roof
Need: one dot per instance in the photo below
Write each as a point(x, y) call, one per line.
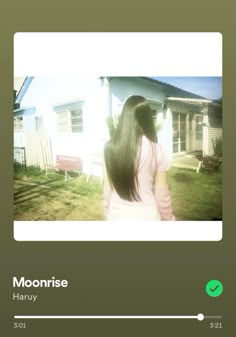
point(21, 85)
point(172, 91)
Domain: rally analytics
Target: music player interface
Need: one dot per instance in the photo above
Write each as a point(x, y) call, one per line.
point(117, 225)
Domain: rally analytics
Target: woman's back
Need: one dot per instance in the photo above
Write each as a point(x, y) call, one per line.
point(150, 159)
point(132, 160)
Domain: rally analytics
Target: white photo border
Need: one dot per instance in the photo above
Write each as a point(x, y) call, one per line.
point(118, 54)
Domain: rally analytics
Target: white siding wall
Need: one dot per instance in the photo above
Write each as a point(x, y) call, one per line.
point(215, 126)
point(213, 134)
point(19, 139)
point(45, 93)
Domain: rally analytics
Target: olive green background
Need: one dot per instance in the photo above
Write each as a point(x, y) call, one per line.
point(118, 278)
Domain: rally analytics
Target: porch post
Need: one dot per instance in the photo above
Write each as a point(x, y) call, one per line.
point(169, 132)
point(188, 146)
point(106, 106)
point(107, 96)
point(205, 130)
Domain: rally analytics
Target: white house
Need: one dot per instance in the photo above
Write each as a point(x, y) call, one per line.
point(67, 116)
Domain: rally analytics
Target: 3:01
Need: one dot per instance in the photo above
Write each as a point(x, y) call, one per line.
point(19, 325)
point(216, 325)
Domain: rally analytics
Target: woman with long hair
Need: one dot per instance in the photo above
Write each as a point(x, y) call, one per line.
point(135, 182)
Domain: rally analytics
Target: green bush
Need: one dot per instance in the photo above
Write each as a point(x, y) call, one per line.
point(31, 170)
point(218, 147)
point(211, 164)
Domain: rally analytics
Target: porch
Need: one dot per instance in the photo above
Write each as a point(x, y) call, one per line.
point(189, 161)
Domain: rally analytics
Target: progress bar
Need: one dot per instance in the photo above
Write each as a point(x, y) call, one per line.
point(199, 317)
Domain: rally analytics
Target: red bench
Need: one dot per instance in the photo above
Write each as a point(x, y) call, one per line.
point(66, 164)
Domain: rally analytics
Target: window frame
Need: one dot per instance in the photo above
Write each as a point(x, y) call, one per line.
point(19, 127)
point(66, 121)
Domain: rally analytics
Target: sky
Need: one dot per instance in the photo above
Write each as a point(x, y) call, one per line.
point(208, 87)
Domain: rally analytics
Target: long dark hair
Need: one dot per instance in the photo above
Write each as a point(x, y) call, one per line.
point(121, 152)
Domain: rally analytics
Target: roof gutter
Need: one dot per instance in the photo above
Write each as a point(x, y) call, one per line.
point(154, 101)
point(189, 100)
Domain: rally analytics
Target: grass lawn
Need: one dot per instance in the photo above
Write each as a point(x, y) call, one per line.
point(41, 197)
point(37, 197)
point(196, 196)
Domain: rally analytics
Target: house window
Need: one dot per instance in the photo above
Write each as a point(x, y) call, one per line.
point(18, 123)
point(179, 132)
point(69, 120)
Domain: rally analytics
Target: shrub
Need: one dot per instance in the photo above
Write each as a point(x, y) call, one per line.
point(31, 170)
point(211, 164)
point(218, 147)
